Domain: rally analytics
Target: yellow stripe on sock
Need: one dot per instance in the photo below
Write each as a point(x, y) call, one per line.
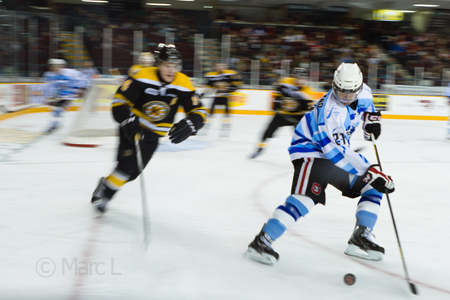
point(114, 182)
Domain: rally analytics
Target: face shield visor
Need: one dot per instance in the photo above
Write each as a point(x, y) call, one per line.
point(346, 96)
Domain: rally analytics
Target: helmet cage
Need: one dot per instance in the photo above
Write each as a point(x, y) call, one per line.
point(355, 91)
point(347, 91)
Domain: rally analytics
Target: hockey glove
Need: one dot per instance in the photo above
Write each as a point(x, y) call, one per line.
point(378, 180)
point(372, 125)
point(130, 127)
point(181, 131)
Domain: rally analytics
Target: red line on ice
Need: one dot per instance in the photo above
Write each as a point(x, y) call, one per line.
point(79, 280)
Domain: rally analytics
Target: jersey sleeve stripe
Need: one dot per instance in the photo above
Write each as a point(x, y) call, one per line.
point(122, 99)
point(199, 111)
point(149, 81)
point(154, 127)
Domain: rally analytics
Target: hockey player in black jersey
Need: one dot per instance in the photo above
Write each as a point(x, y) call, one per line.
point(146, 104)
point(223, 82)
point(292, 99)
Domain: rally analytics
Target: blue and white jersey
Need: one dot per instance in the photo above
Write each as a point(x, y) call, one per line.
point(325, 132)
point(79, 79)
point(63, 84)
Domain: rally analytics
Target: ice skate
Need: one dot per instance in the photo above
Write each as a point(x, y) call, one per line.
point(361, 245)
point(260, 250)
point(257, 153)
point(52, 128)
point(99, 201)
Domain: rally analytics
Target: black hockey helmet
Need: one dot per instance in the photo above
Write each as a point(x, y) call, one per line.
point(168, 53)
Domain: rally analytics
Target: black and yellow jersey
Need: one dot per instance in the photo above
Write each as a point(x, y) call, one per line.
point(289, 99)
point(134, 69)
point(223, 82)
point(155, 102)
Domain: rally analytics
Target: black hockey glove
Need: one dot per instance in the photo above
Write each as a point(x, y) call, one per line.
point(378, 180)
point(181, 131)
point(130, 127)
point(372, 125)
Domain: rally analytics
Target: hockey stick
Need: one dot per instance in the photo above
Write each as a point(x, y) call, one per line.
point(145, 216)
point(411, 285)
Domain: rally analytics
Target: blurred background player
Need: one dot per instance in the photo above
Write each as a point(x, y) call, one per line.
point(292, 99)
point(447, 94)
point(146, 60)
point(223, 82)
point(62, 88)
point(89, 70)
point(150, 114)
point(321, 154)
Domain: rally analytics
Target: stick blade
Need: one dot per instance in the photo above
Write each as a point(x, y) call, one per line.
point(413, 288)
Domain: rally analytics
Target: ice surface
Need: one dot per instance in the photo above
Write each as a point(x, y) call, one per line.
point(205, 207)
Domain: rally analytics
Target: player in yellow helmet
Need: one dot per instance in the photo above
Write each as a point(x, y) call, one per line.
point(146, 59)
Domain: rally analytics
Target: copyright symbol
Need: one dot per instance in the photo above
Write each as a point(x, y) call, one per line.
point(45, 267)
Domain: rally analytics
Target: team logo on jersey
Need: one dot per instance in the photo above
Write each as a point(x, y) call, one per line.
point(289, 104)
point(316, 188)
point(156, 110)
point(126, 85)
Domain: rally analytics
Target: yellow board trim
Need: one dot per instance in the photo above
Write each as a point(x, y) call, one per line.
point(405, 117)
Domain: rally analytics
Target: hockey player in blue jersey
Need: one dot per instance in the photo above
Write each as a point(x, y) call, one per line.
point(321, 154)
point(62, 87)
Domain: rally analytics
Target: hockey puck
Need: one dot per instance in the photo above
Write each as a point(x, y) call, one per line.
point(349, 279)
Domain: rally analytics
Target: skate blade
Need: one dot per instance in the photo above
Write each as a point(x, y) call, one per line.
point(355, 251)
point(263, 258)
point(255, 155)
point(97, 212)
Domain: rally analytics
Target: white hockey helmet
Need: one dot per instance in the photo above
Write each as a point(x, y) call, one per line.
point(146, 58)
point(53, 62)
point(347, 83)
point(61, 62)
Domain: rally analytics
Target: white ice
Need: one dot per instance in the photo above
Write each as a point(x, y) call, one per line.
point(205, 207)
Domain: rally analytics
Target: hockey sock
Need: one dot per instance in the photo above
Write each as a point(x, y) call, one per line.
point(285, 215)
point(368, 208)
point(114, 182)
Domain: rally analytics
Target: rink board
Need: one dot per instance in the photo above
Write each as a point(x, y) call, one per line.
point(245, 101)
